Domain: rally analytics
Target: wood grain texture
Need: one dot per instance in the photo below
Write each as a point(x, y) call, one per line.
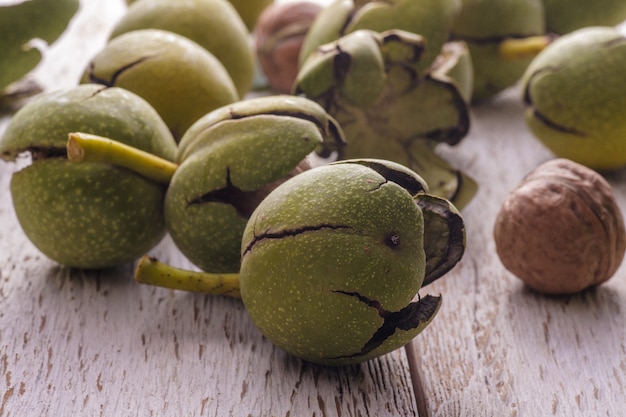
point(98, 344)
point(496, 348)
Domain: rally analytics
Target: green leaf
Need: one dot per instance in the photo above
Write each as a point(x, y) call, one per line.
point(22, 23)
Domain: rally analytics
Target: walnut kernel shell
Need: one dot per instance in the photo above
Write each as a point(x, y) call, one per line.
point(561, 230)
point(279, 33)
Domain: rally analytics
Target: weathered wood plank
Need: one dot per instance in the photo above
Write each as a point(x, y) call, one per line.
point(95, 343)
point(497, 348)
point(81, 343)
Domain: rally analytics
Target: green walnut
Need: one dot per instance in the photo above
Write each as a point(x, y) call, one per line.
point(213, 24)
point(371, 83)
point(179, 78)
point(229, 160)
point(574, 97)
point(333, 258)
point(564, 16)
point(432, 19)
point(89, 215)
point(249, 10)
point(487, 25)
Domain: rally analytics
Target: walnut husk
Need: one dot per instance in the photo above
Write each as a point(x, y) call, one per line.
point(561, 230)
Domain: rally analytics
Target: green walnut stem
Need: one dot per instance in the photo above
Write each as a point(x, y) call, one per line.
point(85, 147)
point(514, 48)
point(151, 271)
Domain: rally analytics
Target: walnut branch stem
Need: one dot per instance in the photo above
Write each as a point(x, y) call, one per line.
point(515, 48)
point(85, 147)
point(153, 272)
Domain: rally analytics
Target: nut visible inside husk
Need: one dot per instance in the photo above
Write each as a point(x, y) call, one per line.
point(561, 230)
point(279, 33)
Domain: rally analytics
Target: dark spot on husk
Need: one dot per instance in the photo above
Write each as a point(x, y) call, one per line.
point(393, 241)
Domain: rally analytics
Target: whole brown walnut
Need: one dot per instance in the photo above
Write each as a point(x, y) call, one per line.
point(561, 230)
point(279, 33)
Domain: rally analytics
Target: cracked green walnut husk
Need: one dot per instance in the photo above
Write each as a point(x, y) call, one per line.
point(333, 259)
point(88, 215)
point(180, 79)
point(371, 84)
point(431, 19)
point(574, 97)
point(213, 24)
point(230, 160)
point(226, 163)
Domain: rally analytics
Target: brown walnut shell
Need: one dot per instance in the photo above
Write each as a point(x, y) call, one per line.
point(561, 230)
point(279, 33)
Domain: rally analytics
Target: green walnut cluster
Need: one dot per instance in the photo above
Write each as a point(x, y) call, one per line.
point(339, 251)
point(505, 35)
point(486, 25)
point(213, 24)
point(573, 92)
point(204, 189)
point(90, 215)
point(229, 160)
point(332, 260)
point(185, 57)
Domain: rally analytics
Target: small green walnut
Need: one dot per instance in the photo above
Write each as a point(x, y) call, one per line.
point(249, 10)
point(487, 25)
point(564, 16)
point(574, 96)
point(333, 258)
point(89, 215)
point(230, 160)
point(213, 24)
point(179, 78)
point(431, 19)
point(561, 230)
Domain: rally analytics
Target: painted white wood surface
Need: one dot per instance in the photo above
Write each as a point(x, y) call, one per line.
point(76, 343)
point(496, 348)
point(89, 344)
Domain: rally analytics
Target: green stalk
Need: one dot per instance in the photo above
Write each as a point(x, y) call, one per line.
point(153, 272)
point(85, 147)
point(515, 48)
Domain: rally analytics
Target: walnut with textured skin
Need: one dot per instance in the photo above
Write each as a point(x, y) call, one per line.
point(561, 230)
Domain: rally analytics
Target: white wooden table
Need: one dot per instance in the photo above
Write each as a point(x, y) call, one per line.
point(76, 343)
